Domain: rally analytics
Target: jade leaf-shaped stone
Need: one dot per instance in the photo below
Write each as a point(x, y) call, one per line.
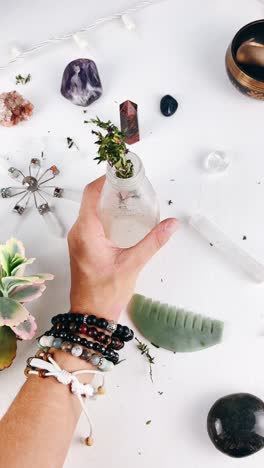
point(172, 328)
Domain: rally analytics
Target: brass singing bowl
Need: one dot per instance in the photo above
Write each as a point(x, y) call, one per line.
point(245, 60)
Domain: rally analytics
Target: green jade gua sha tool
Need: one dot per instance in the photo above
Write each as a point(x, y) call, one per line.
point(172, 328)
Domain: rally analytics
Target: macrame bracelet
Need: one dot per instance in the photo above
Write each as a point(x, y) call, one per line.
point(120, 331)
point(50, 368)
point(56, 340)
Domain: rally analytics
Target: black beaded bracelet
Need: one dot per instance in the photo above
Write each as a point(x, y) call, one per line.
point(108, 352)
point(112, 341)
point(120, 331)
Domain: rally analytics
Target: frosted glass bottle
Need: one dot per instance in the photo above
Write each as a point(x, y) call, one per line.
point(128, 208)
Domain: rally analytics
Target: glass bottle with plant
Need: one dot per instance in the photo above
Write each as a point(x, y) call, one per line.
point(128, 207)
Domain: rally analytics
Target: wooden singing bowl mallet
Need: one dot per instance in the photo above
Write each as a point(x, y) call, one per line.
point(251, 53)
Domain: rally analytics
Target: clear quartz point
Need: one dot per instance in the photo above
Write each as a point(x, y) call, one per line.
point(224, 244)
point(72, 195)
point(16, 174)
point(217, 161)
point(8, 192)
point(51, 220)
point(34, 167)
point(21, 204)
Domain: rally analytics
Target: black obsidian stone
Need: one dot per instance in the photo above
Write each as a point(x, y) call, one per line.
point(235, 425)
point(168, 105)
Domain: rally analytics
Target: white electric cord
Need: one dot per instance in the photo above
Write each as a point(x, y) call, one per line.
point(18, 54)
point(69, 378)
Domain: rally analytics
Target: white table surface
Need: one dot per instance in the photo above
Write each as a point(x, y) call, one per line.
point(178, 48)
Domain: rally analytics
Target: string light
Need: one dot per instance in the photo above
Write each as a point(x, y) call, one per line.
point(125, 16)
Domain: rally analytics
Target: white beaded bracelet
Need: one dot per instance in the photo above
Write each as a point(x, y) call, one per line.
point(70, 378)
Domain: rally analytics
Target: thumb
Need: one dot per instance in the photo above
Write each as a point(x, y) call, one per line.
point(142, 252)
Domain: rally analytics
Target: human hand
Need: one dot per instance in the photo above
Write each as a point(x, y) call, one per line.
point(103, 276)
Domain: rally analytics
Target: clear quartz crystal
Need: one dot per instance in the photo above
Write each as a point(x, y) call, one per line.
point(128, 208)
point(217, 161)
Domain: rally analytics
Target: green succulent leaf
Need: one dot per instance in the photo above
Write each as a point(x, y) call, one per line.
point(19, 264)
point(12, 253)
point(8, 346)
point(27, 293)
point(12, 312)
point(26, 330)
point(11, 282)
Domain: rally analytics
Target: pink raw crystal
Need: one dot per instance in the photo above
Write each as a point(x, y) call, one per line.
point(14, 109)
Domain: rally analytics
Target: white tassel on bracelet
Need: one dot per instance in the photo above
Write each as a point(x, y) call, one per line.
point(70, 378)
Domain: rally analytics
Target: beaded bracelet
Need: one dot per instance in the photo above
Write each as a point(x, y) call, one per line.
point(55, 340)
point(120, 331)
point(101, 363)
point(92, 332)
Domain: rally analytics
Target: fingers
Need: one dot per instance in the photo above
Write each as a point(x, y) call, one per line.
point(141, 253)
point(90, 198)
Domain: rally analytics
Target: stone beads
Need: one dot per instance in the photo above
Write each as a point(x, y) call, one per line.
point(66, 346)
point(46, 341)
point(77, 350)
point(95, 359)
point(86, 355)
point(57, 342)
point(105, 365)
point(235, 425)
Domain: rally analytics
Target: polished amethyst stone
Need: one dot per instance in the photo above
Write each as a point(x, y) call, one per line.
point(81, 83)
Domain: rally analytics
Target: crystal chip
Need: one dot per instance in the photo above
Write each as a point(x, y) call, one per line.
point(129, 121)
point(35, 162)
point(5, 193)
point(55, 171)
point(14, 173)
point(81, 83)
point(44, 208)
point(58, 192)
point(19, 209)
point(217, 161)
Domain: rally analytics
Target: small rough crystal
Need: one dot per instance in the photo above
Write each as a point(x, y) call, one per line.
point(44, 208)
point(5, 193)
point(217, 161)
point(129, 121)
point(81, 83)
point(19, 209)
point(58, 192)
point(14, 173)
point(14, 109)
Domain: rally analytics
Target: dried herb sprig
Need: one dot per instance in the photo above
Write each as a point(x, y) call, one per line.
point(71, 143)
point(144, 349)
point(23, 79)
point(112, 148)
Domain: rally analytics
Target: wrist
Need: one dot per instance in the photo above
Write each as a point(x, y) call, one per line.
point(100, 306)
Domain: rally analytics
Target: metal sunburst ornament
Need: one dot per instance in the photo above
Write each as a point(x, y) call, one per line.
point(35, 186)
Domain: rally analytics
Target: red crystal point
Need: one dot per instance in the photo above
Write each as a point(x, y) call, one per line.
point(129, 121)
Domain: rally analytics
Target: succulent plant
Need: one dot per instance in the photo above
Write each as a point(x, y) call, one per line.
point(16, 289)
